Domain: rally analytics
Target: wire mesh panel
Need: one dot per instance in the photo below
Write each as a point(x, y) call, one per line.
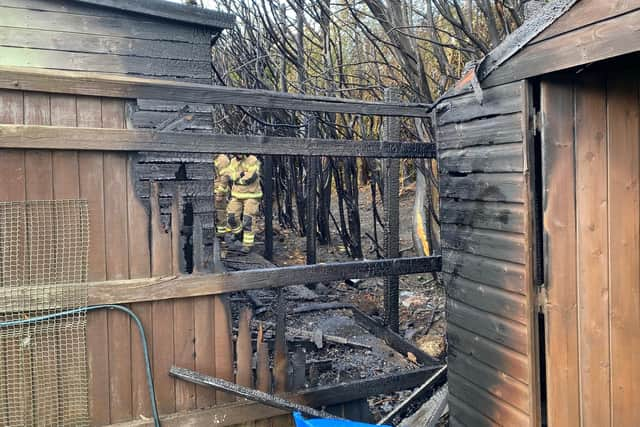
point(43, 271)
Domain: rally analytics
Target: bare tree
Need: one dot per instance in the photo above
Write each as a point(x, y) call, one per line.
point(353, 48)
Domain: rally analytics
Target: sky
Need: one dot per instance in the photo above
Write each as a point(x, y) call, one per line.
point(211, 4)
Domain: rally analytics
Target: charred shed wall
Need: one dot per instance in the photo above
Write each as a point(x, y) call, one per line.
point(483, 210)
point(68, 35)
point(73, 36)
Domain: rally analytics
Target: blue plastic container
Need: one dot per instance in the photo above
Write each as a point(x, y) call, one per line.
point(320, 422)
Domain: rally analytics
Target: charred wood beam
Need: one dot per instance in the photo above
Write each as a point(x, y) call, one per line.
point(313, 168)
point(162, 288)
point(95, 84)
point(138, 290)
point(322, 306)
point(245, 411)
point(360, 389)
point(353, 390)
point(436, 380)
point(391, 217)
point(68, 138)
point(248, 393)
point(267, 181)
point(392, 339)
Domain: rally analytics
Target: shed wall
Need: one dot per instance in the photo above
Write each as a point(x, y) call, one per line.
point(67, 35)
point(486, 257)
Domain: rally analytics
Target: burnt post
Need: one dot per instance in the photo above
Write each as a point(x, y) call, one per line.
point(267, 176)
point(391, 170)
point(313, 168)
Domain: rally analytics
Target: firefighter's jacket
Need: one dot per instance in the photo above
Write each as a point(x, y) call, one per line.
point(245, 174)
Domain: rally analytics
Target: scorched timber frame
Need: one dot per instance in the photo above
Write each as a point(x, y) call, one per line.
point(125, 87)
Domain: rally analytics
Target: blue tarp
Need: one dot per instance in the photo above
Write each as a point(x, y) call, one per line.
point(318, 422)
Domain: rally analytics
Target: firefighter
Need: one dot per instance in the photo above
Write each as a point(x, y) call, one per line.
point(221, 191)
point(244, 205)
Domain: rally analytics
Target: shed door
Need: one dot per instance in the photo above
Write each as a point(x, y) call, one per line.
point(591, 173)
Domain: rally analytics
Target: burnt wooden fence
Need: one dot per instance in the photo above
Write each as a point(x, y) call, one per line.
point(65, 135)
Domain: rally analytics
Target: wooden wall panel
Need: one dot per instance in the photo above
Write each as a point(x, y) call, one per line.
point(484, 194)
point(592, 248)
point(91, 20)
point(560, 253)
point(623, 111)
point(592, 232)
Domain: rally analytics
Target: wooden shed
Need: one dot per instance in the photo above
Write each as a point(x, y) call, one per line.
point(539, 150)
point(105, 130)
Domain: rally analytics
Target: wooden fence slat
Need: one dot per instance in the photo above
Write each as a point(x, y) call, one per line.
point(91, 177)
point(12, 161)
point(163, 356)
point(244, 350)
point(183, 320)
point(66, 185)
point(12, 175)
point(263, 371)
point(223, 344)
point(117, 259)
point(139, 267)
point(66, 182)
point(39, 186)
point(204, 347)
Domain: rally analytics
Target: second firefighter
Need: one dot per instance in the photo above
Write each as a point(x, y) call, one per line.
point(246, 193)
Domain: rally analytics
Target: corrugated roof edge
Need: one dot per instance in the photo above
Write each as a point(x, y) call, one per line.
point(173, 11)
